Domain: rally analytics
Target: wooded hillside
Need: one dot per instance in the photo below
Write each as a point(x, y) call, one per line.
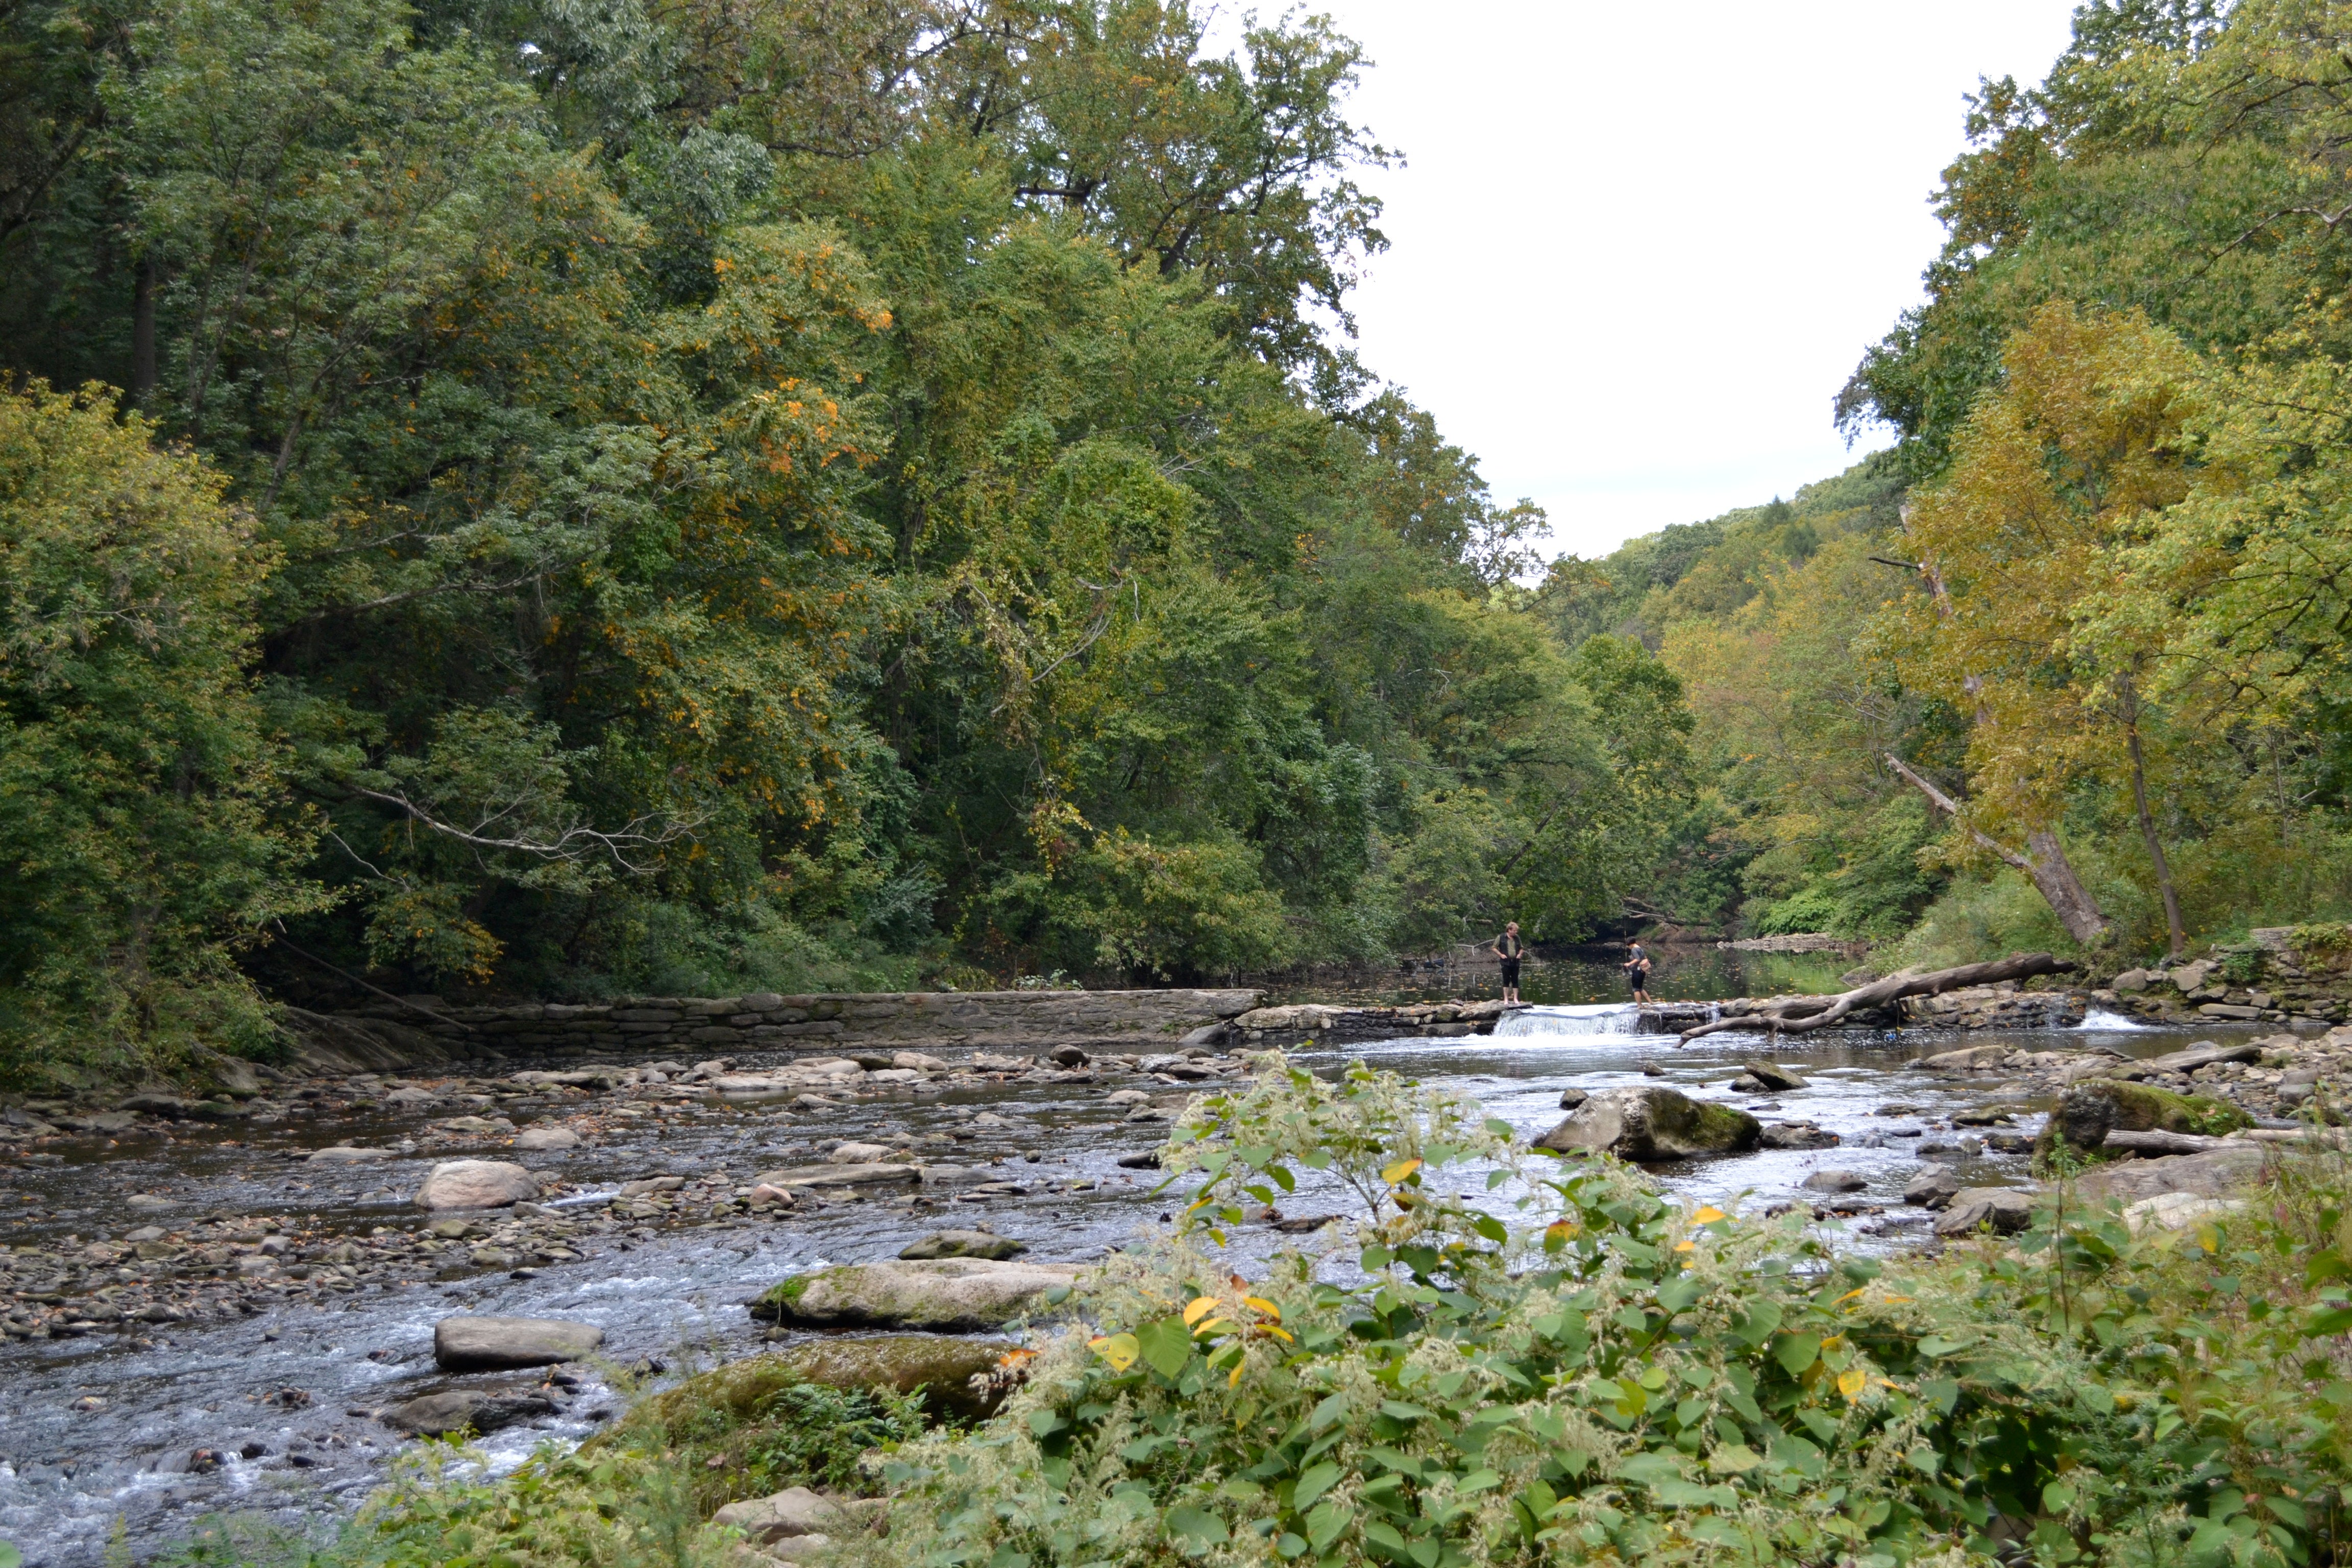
point(702, 498)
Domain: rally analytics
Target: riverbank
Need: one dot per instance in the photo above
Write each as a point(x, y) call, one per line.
point(652, 1229)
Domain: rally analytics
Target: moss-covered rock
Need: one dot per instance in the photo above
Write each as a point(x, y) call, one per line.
point(946, 1294)
point(2092, 1109)
point(1652, 1123)
point(942, 1367)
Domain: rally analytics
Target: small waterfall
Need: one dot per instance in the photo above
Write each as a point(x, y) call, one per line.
point(1607, 1018)
point(2101, 1019)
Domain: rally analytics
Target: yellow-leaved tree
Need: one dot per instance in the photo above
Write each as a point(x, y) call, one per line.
point(2024, 547)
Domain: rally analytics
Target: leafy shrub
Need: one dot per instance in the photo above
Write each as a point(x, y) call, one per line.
point(1610, 1376)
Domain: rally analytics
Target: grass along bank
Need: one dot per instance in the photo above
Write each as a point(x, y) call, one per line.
point(1590, 1373)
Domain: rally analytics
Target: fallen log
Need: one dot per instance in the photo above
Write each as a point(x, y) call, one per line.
point(1800, 1015)
point(2202, 1056)
point(2153, 1143)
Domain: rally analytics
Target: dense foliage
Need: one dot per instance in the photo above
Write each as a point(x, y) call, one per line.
point(807, 494)
point(2097, 593)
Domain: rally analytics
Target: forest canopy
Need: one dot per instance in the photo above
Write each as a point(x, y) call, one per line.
point(572, 499)
point(701, 499)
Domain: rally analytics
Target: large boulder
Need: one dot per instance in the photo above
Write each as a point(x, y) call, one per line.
point(2211, 1175)
point(2091, 1109)
point(796, 1510)
point(2007, 1210)
point(958, 1377)
point(502, 1345)
point(951, 1295)
point(1779, 1080)
point(466, 1410)
point(1652, 1122)
point(542, 1138)
point(1932, 1187)
point(477, 1185)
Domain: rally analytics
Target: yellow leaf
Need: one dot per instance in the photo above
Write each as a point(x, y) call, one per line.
point(1686, 1246)
point(1198, 1307)
point(1260, 1304)
point(1851, 1383)
point(1559, 1233)
point(1852, 1294)
point(1213, 1324)
point(1399, 1171)
point(1708, 1215)
point(1282, 1334)
point(1235, 1380)
point(1120, 1350)
point(2208, 1238)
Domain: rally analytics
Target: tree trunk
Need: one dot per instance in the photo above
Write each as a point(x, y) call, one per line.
point(143, 331)
point(1801, 1015)
point(2044, 860)
point(2174, 930)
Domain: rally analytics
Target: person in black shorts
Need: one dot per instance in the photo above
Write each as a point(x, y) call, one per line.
point(1637, 971)
point(1508, 949)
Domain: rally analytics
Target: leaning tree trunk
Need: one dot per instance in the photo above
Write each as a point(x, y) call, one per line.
point(2044, 860)
point(1802, 1015)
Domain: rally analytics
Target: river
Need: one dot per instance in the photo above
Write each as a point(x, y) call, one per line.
point(98, 1430)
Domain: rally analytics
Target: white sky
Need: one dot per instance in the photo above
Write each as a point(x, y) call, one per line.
point(1636, 250)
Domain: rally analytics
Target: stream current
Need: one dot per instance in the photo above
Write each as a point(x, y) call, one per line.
point(97, 1433)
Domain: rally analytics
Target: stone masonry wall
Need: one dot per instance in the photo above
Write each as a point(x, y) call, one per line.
point(765, 1021)
point(2280, 974)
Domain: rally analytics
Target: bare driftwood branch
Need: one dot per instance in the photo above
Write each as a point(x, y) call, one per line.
point(572, 844)
point(1801, 1015)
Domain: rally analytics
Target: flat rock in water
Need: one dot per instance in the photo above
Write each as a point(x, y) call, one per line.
point(2211, 1175)
point(343, 1155)
point(948, 1295)
point(1569, 1099)
point(1932, 1188)
point(1148, 1159)
point(503, 1345)
point(1779, 1080)
point(859, 1154)
point(547, 1138)
point(466, 1410)
point(857, 1175)
point(963, 1244)
point(1796, 1135)
point(1835, 1182)
point(477, 1185)
point(2007, 1210)
point(1652, 1124)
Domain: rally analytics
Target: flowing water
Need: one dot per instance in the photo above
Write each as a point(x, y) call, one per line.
point(96, 1433)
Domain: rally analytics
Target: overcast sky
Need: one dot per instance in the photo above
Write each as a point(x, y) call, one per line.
point(1636, 250)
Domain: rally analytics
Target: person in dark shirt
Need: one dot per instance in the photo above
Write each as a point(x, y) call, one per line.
point(1637, 971)
point(1508, 948)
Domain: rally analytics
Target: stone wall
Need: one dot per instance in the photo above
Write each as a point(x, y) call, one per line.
point(2280, 974)
point(1028, 1020)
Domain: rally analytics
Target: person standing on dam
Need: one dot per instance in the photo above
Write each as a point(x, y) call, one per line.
point(1637, 973)
point(1509, 949)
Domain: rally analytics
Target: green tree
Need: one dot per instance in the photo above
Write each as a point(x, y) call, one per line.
point(144, 828)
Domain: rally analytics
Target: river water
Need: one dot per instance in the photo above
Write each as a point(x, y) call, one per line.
point(96, 1433)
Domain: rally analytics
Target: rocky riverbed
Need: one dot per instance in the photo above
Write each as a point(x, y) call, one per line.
point(214, 1305)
